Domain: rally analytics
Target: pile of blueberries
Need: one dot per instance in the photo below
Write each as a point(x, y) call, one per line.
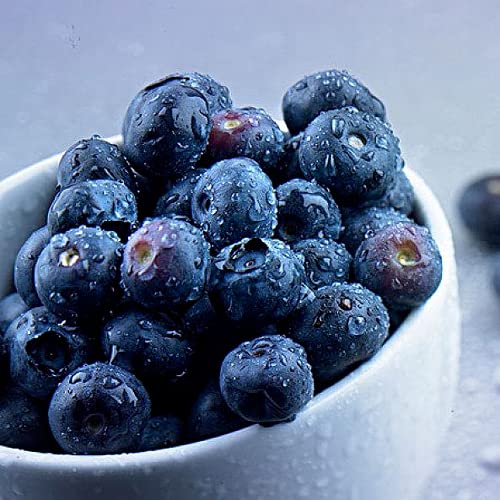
point(213, 271)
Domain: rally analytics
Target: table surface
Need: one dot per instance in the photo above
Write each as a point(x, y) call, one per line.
point(69, 69)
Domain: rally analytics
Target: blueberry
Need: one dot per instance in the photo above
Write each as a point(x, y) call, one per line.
point(166, 128)
point(248, 132)
point(344, 325)
point(43, 350)
point(177, 200)
point(401, 263)
point(323, 91)
point(306, 210)
point(99, 409)
point(77, 274)
point(11, 307)
point(210, 415)
point(325, 261)
point(92, 159)
point(165, 263)
point(256, 281)
point(24, 268)
point(233, 200)
point(267, 380)
point(161, 432)
point(288, 167)
point(147, 345)
point(479, 207)
point(103, 203)
point(23, 423)
point(360, 225)
point(353, 154)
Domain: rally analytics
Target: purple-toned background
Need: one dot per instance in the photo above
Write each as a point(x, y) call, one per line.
point(69, 68)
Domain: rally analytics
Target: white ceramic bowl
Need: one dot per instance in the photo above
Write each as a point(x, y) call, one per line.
point(375, 435)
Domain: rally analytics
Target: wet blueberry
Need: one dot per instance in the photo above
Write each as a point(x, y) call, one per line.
point(78, 272)
point(306, 210)
point(353, 154)
point(323, 91)
point(344, 325)
point(164, 431)
point(256, 281)
point(267, 380)
point(24, 268)
point(103, 203)
point(232, 200)
point(325, 261)
point(248, 132)
point(360, 225)
point(11, 307)
point(99, 409)
point(165, 263)
point(288, 167)
point(401, 263)
point(479, 207)
point(43, 350)
point(166, 128)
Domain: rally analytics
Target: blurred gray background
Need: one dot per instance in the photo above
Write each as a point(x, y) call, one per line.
point(69, 68)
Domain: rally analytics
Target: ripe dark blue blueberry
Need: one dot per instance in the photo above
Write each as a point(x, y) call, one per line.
point(325, 261)
point(147, 345)
point(353, 154)
point(360, 225)
point(166, 128)
point(161, 432)
point(24, 268)
point(288, 167)
point(78, 272)
point(324, 91)
point(401, 263)
point(256, 281)
point(232, 200)
point(102, 203)
point(210, 415)
point(177, 200)
point(43, 350)
point(11, 307)
point(479, 207)
point(92, 159)
point(248, 132)
point(306, 210)
point(165, 263)
point(99, 409)
point(267, 380)
point(343, 326)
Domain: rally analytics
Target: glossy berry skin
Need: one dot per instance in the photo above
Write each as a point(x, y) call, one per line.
point(401, 263)
point(161, 432)
point(248, 132)
point(107, 204)
point(93, 159)
point(360, 225)
point(353, 154)
point(323, 91)
point(325, 262)
point(23, 422)
point(479, 208)
point(77, 274)
point(43, 350)
point(267, 380)
point(177, 200)
point(147, 345)
point(256, 281)
point(99, 409)
point(166, 128)
point(24, 267)
point(288, 167)
point(344, 325)
point(165, 263)
point(210, 415)
point(232, 200)
point(306, 210)
point(11, 307)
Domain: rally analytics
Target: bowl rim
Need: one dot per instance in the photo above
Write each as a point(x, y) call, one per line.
point(434, 218)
